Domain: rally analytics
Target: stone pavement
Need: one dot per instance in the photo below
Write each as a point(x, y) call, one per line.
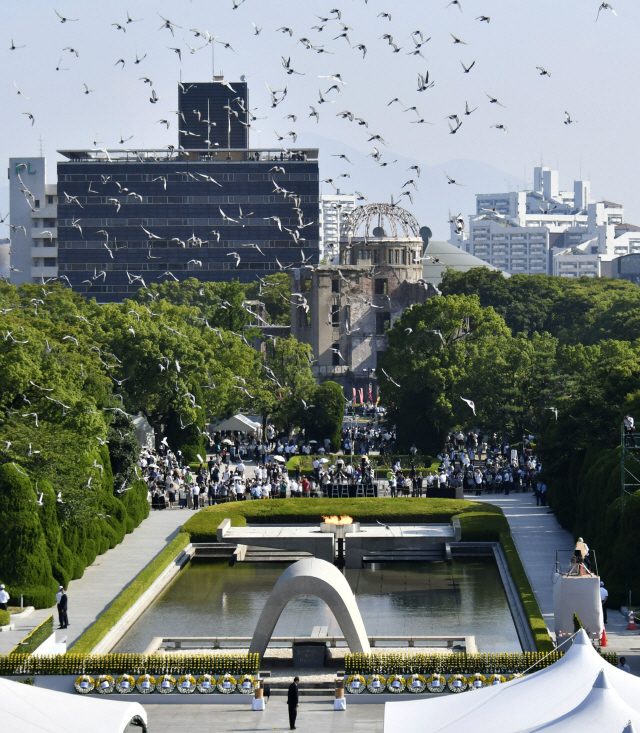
point(313, 717)
point(538, 536)
point(110, 573)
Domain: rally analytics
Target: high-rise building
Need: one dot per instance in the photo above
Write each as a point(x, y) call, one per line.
point(546, 230)
point(215, 213)
point(33, 217)
point(334, 210)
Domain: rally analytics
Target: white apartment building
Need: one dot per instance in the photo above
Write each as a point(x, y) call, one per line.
point(333, 211)
point(548, 231)
point(33, 205)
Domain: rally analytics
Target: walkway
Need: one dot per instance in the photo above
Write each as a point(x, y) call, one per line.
point(538, 536)
point(313, 717)
point(106, 578)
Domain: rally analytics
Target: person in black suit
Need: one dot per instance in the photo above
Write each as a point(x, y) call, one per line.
point(62, 610)
point(292, 702)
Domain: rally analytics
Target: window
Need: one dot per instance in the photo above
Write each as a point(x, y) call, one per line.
point(335, 316)
point(49, 199)
point(335, 357)
point(381, 286)
point(36, 203)
point(383, 323)
point(304, 320)
point(306, 285)
point(50, 262)
point(335, 286)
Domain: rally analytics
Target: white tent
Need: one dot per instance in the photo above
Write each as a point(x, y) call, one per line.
point(237, 422)
point(602, 709)
point(35, 709)
point(527, 704)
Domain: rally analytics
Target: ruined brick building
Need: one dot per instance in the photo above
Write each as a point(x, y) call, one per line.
point(344, 310)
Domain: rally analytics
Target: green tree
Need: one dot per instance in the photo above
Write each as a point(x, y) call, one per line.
point(275, 292)
point(324, 418)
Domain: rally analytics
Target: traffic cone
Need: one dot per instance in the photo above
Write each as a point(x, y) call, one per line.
point(632, 623)
point(603, 638)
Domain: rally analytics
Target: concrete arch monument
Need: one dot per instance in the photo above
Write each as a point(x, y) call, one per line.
point(319, 578)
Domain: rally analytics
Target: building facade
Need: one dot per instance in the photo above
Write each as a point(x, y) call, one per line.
point(334, 212)
point(344, 311)
point(132, 217)
point(34, 222)
point(547, 231)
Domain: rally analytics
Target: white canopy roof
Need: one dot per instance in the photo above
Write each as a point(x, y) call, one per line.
point(238, 422)
point(530, 703)
point(35, 709)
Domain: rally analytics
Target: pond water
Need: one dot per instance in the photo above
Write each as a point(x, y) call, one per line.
point(463, 597)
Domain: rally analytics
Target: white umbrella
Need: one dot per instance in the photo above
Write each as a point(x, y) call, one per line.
point(312, 441)
point(226, 441)
point(323, 460)
point(278, 458)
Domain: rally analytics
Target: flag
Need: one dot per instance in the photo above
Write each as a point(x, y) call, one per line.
point(354, 395)
point(370, 393)
point(361, 396)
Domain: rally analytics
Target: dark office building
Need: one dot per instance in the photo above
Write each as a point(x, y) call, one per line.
point(627, 267)
point(141, 214)
point(213, 115)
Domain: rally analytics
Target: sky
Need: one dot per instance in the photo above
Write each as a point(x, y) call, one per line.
point(592, 66)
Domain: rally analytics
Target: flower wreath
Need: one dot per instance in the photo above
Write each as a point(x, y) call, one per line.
point(206, 684)
point(515, 676)
point(85, 684)
point(457, 683)
point(436, 683)
point(186, 684)
point(125, 684)
point(227, 684)
point(477, 681)
point(396, 683)
point(166, 684)
point(496, 679)
point(243, 687)
point(376, 684)
point(417, 684)
point(146, 684)
point(355, 684)
point(105, 684)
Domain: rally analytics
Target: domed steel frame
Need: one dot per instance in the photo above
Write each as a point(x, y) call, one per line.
point(377, 215)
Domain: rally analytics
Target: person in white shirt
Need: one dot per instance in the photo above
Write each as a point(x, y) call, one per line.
point(4, 598)
point(622, 664)
point(604, 595)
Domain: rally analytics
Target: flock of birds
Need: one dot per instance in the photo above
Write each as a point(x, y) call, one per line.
point(335, 31)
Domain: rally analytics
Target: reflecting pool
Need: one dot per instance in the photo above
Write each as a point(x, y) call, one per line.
point(209, 598)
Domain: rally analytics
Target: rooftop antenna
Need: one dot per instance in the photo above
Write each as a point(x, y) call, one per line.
point(40, 141)
point(213, 65)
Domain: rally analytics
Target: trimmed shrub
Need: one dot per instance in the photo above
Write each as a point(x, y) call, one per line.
point(25, 565)
point(324, 419)
point(5, 618)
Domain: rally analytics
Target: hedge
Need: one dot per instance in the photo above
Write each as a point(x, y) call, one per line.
point(31, 642)
point(5, 618)
point(429, 663)
point(379, 461)
point(103, 624)
point(155, 664)
point(203, 526)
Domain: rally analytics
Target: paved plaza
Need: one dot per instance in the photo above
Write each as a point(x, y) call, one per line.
point(313, 717)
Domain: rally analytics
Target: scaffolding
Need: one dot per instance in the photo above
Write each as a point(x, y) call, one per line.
point(629, 459)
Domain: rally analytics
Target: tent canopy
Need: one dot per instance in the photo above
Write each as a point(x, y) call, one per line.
point(240, 423)
point(38, 710)
point(530, 703)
